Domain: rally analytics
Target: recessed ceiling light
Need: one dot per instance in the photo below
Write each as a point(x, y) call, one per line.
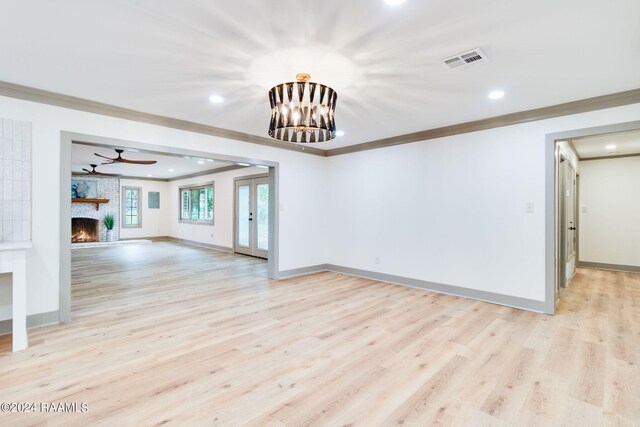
point(243, 164)
point(200, 162)
point(209, 160)
point(339, 133)
point(610, 146)
point(216, 99)
point(149, 175)
point(262, 166)
point(170, 170)
point(186, 157)
point(496, 94)
point(394, 2)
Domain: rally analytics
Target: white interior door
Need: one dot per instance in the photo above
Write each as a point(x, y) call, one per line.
point(252, 217)
point(567, 221)
point(570, 211)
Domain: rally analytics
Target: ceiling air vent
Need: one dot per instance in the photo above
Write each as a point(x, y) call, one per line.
point(471, 57)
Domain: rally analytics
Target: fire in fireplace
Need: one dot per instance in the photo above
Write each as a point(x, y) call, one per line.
point(84, 230)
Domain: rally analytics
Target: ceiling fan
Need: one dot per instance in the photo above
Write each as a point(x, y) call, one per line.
point(93, 171)
point(119, 159)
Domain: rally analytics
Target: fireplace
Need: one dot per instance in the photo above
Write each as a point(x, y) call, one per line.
point(84, 230)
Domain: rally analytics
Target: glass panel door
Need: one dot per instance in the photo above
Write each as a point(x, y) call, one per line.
point(252, 217)
point(262, 216)
point(243, 217)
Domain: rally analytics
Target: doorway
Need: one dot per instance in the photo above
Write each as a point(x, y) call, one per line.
point(563, 245)
point(69, 138)
point(251, 216)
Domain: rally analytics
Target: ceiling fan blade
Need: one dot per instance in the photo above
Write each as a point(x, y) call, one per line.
point(138, 162)
point(86, 170)
point(104, 157)
point(119, 159)
point(107, 174)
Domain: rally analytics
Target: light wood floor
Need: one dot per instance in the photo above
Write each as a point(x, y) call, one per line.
point(167, 333)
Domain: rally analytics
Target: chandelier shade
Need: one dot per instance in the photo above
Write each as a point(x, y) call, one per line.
point(302, 111)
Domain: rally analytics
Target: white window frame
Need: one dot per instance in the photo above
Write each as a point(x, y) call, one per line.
point(197, 187)
point(123, 217)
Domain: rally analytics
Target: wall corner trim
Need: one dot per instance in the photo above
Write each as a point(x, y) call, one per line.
point(303, 271)
point(33, 321)
point(194, 243)
point(610, 267)
point(489, 297)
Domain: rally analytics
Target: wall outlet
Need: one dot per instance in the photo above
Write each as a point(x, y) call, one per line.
point(584, 209)
point(376, 260)
point(531, 208)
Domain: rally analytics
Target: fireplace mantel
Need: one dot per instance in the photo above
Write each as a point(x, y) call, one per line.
point(97, 202)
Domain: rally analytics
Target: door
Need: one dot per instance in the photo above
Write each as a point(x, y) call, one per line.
point(570, 195)
point(567, 222)
point(252, 217)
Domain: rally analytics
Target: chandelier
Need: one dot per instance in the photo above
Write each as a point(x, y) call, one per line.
point(302, 111)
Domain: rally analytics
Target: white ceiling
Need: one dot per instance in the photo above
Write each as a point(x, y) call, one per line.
point(83, 155)
point(167, 57)
point(595, 146)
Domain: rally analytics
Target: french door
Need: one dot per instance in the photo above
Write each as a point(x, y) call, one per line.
point(252, 217)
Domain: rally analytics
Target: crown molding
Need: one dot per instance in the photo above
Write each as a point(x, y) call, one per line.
point(26, 93)
point(142, 178)
point(175, 178)
point(614, 156)
point(568, 108)
point(209, 172)
point(618, 99)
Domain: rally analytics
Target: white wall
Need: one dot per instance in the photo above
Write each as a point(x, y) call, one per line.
point(155, 222)
point(610, 211)
point(449, 210)
point(452, 210)
point(302, 187)
point(221, 233)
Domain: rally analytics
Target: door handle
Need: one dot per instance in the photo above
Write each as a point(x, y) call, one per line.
point(572, 228)
point(250, 219)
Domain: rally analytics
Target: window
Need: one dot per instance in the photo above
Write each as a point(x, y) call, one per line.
point(196, 204)
point(131, 207)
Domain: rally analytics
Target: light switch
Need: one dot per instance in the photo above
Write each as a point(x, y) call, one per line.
point(584, 209)
point(281, 207)
point(531, 208)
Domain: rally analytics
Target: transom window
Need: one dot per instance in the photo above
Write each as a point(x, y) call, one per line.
point(131, 207)
point(196, 204)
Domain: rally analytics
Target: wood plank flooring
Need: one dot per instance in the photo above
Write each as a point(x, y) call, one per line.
point(179, 335)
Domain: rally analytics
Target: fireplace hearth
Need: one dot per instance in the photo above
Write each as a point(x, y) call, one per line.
point(84, 230)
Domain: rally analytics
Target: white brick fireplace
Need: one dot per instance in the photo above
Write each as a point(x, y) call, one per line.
point(106, 188)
